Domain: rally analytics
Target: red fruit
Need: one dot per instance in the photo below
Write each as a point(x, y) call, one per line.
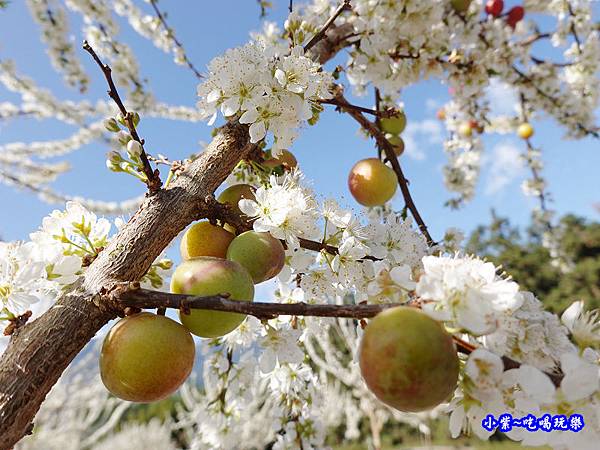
point(515, 15)
point(494, 7)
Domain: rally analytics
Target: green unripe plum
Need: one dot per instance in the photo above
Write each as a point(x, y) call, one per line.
point(261, 254)
point(394, 124)
point(286, 158)
point(206, 276)
point(205, 239)
point(233, 194)
point(371, 182)
point(460, 5)
point(145, 357)
point(408, 360)
point(398, 144)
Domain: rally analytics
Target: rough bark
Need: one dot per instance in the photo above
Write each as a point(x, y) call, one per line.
point(148, 299)
point(40, 351)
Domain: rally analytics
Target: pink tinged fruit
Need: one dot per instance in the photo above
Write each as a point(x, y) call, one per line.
point(494, 7)
point(146, 357)
point(371, 182)
point(260, 254)
point(408, 360)
point(515, 15)
point(207, 276)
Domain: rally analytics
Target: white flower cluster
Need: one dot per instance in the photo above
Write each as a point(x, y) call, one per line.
point(374, 259)
point(466, 292)
point(33, 273)
point(151, 28)
point(270, 92)
point(489, 389)
point(52, 19)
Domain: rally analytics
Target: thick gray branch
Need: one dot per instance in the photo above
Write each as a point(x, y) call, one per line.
point(144, 299)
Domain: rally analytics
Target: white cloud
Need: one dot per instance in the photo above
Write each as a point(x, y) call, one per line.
point(431, 104)
point(506, 165)
point(421, 135)
point(503, 98)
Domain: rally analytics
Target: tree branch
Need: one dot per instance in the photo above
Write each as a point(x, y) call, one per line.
point(374, 112)
point(345, 5)
point(152, 177)
point(148, 299)
point(135, 297)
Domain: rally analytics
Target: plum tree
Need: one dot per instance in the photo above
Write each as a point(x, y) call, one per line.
point(408, 360)
point(371, 182)
point(205, 239)
point(146, 357)
point(260, 254)
point(395, 124)
point(233, 194)
point(205, 276)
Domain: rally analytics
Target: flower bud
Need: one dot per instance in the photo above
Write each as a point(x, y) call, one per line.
point(113, 159)
point(134, 149)
point(136, 118)
point(111, 125)
point(123, 137)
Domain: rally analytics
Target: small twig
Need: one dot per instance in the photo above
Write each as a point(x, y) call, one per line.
point(378, 114)
point(169, 30)
point(534, 171)
point(345, 5)
point(377, 118)
point(534, 38)
point(573, 30)
point(552, 63)
point(152, 177)
point(291, 6)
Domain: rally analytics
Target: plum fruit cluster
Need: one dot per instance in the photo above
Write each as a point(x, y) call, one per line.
point(146, 357)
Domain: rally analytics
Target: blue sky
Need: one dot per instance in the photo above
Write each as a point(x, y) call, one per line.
point(326, 152)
